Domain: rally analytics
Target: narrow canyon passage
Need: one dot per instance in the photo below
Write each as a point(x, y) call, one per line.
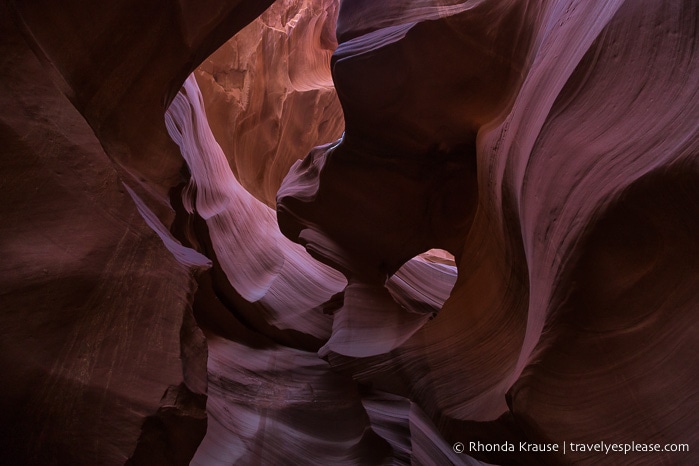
point(349, 232)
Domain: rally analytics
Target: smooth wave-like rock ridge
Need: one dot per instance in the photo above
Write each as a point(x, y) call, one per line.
point(260, 263)
point(563, 127)
point(295, 296)
point(269, 93)
point(486, 230)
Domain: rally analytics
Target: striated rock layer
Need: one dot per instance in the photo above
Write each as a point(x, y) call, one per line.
point(101, 358)
point(269, 94)
point(157, 310)
point(576, 252)
point(271, 376)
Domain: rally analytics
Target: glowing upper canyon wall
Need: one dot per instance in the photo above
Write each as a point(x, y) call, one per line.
point(357, 232)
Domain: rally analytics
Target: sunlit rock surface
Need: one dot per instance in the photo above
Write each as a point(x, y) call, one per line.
point(269, 94)
point(272, 279)
point(486, 230)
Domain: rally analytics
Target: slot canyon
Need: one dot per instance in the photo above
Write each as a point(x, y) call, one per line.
point(349, 232)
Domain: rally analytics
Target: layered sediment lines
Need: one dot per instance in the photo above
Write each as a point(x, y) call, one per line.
point(269, 93)
point(575, 127)
point(486, 230)
point(101, 358)
point(303, 304)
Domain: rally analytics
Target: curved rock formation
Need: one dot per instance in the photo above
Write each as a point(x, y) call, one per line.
point(501, 247)
point(269, 95)
point(273, 280)
point(101, 357)
point(561, 249)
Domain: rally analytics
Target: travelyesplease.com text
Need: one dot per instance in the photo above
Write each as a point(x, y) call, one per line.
point(572, 447)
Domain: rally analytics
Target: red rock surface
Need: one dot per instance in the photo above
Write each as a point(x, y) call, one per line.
point(269, 94)
point(549, 148)
point(102, 361)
